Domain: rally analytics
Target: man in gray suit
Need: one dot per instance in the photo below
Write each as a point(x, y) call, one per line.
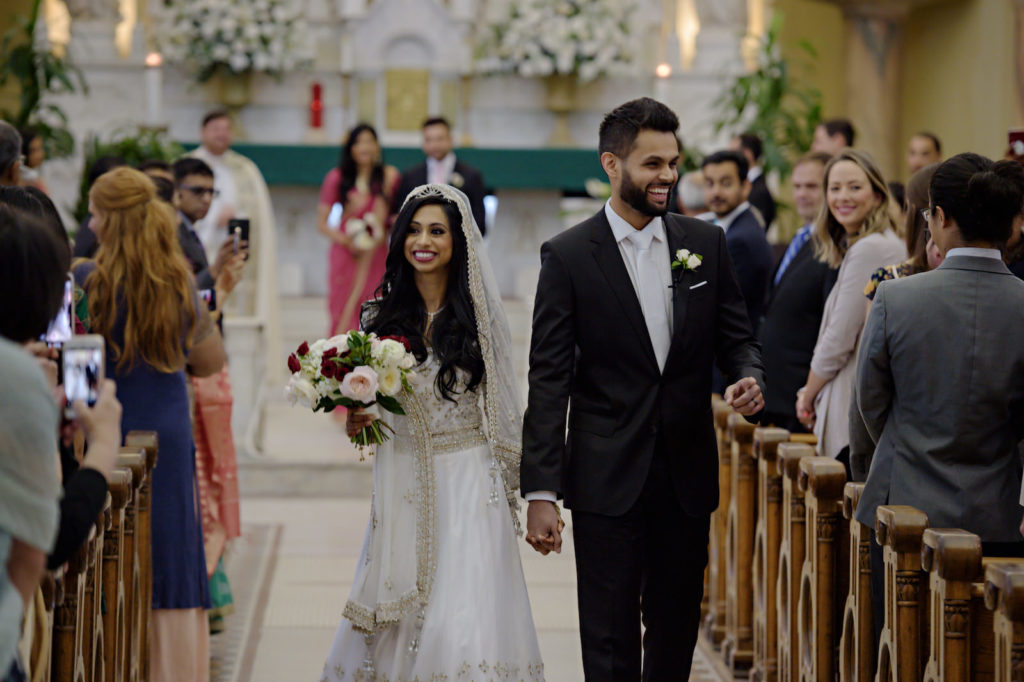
point(940, 371)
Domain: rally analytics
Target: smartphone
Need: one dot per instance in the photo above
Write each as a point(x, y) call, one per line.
point(62, 325)
point(239, 229)
point(210, 296)
point(1015, 137)
point(83, 370)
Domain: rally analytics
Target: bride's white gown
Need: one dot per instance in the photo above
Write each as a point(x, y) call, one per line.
point(440, 532)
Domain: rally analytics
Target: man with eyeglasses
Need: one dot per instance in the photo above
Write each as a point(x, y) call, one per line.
point(193, 194)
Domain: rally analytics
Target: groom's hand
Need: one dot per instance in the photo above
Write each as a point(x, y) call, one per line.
point(544, 527)
point(745, 397)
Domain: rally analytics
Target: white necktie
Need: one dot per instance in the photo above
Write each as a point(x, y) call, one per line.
point(652, 298)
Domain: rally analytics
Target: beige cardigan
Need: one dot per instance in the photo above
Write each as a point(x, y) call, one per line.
point(835, 354)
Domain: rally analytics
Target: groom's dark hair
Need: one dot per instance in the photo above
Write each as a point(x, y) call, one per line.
point(620, 127)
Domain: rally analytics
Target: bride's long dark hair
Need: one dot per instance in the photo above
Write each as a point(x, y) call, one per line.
point(399, 308)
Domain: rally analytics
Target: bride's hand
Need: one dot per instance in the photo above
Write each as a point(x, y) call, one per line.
point(358, 419)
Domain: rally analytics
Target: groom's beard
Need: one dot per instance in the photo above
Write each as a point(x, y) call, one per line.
point(636, 197)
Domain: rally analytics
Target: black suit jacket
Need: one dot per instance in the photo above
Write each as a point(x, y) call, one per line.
point(761, 199)
point(789, 330)
point(195, 254)
point(472, 185)
point(752, 256)
point(590, 346)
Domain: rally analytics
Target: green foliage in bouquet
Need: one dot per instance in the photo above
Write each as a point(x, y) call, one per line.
point(38, 72)
point(134, 146)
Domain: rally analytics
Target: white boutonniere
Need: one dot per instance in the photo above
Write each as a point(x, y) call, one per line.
point(456, 180)
point(687, 260)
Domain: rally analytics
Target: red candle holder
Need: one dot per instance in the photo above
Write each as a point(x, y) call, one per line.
point(316, 107)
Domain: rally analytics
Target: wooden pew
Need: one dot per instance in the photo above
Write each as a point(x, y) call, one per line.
point(952, 558)
point(767, 538)
point(738, 645)
point(857, 645)
point(148, 442)
point(714, 621)
point(1004, 596)
point(68, 661)
point(115, 561)
point(899, 530)
point(822, 479)
point(92, 604)
point(134, 461)
point(792, 550)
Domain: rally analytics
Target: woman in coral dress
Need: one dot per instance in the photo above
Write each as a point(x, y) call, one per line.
point(364, 187)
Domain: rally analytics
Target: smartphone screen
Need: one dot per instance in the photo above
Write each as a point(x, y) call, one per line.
point(83, 371)
point(62, 326)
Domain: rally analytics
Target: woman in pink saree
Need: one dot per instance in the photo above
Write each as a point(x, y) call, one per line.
point(364, 187)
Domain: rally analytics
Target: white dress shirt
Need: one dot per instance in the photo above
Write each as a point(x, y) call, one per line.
point(622, 231)
point(975, 252)
point(438, 172)
point(725, 222)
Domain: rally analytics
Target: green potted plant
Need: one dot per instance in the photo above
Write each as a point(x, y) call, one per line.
point(38, 71)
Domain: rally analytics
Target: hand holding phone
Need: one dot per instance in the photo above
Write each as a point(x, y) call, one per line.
point(84, 358)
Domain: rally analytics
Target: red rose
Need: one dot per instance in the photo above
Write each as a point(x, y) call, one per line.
point(293, 364)
point(330, 353)
point(340, 371)
point(401, 339)
point(328, 368)
point(303, 349)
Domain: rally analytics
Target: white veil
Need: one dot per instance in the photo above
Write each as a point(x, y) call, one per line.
point(502, 412)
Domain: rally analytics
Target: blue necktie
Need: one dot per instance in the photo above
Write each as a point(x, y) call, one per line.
point(794, 247)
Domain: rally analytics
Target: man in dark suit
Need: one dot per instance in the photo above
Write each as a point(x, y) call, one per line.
point(194, 193)
point(761, 198)
point(726, 189)
point(796, 299)
point(441, 167)
point(627, 325)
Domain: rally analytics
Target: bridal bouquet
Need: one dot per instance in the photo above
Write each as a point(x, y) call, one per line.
point(365, 233)
point(353, 370)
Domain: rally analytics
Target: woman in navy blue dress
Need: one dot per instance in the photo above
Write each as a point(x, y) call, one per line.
point(143, 300)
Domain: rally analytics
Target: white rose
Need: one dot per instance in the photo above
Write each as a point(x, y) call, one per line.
point(364, 241)
point(360, 385)
point(390, 381)
point(391, 353)
point(408, 362)
point(340, 342)
point(682, 255)
point(693, 262)
point(239, 63)
point(301, 390)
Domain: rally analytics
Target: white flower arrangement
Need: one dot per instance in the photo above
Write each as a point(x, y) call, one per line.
point(585, 38)
point(687, 260)
point(208, 36)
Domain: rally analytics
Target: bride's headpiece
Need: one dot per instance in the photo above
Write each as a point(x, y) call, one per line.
point(501, 395)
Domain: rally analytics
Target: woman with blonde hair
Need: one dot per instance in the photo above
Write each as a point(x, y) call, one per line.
point(854, 231)
point(142, 299)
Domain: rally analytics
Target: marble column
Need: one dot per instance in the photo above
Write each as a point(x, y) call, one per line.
point(874, 64)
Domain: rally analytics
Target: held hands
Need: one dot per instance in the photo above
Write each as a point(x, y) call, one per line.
point(544, 527)
point(358, 419)
point(745, 397)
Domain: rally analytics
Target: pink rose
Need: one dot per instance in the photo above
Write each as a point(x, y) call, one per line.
point(360, 385)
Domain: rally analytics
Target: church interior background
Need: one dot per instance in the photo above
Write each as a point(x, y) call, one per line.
point(892, 66)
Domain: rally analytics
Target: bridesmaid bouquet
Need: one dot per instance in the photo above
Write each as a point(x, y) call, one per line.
point(353, 370)
point(365, 233)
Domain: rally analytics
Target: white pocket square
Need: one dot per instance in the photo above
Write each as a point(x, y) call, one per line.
point(699, 285)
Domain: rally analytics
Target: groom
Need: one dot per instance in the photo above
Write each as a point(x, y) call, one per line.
point(630, 335)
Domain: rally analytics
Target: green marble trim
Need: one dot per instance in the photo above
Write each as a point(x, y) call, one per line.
point(553, 169)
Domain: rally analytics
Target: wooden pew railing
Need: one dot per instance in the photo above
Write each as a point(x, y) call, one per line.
point(792, 550)
point(900, 530)
point(97, 607)
point(714, 607)
point(1004, 596)
point(823, 576)
point(767, 538)
point(857, 645)
point(738, 645)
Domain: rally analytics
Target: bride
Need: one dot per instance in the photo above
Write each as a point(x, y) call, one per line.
point(439, 592)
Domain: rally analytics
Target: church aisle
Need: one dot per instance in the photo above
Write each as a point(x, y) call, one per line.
point(310, 576)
